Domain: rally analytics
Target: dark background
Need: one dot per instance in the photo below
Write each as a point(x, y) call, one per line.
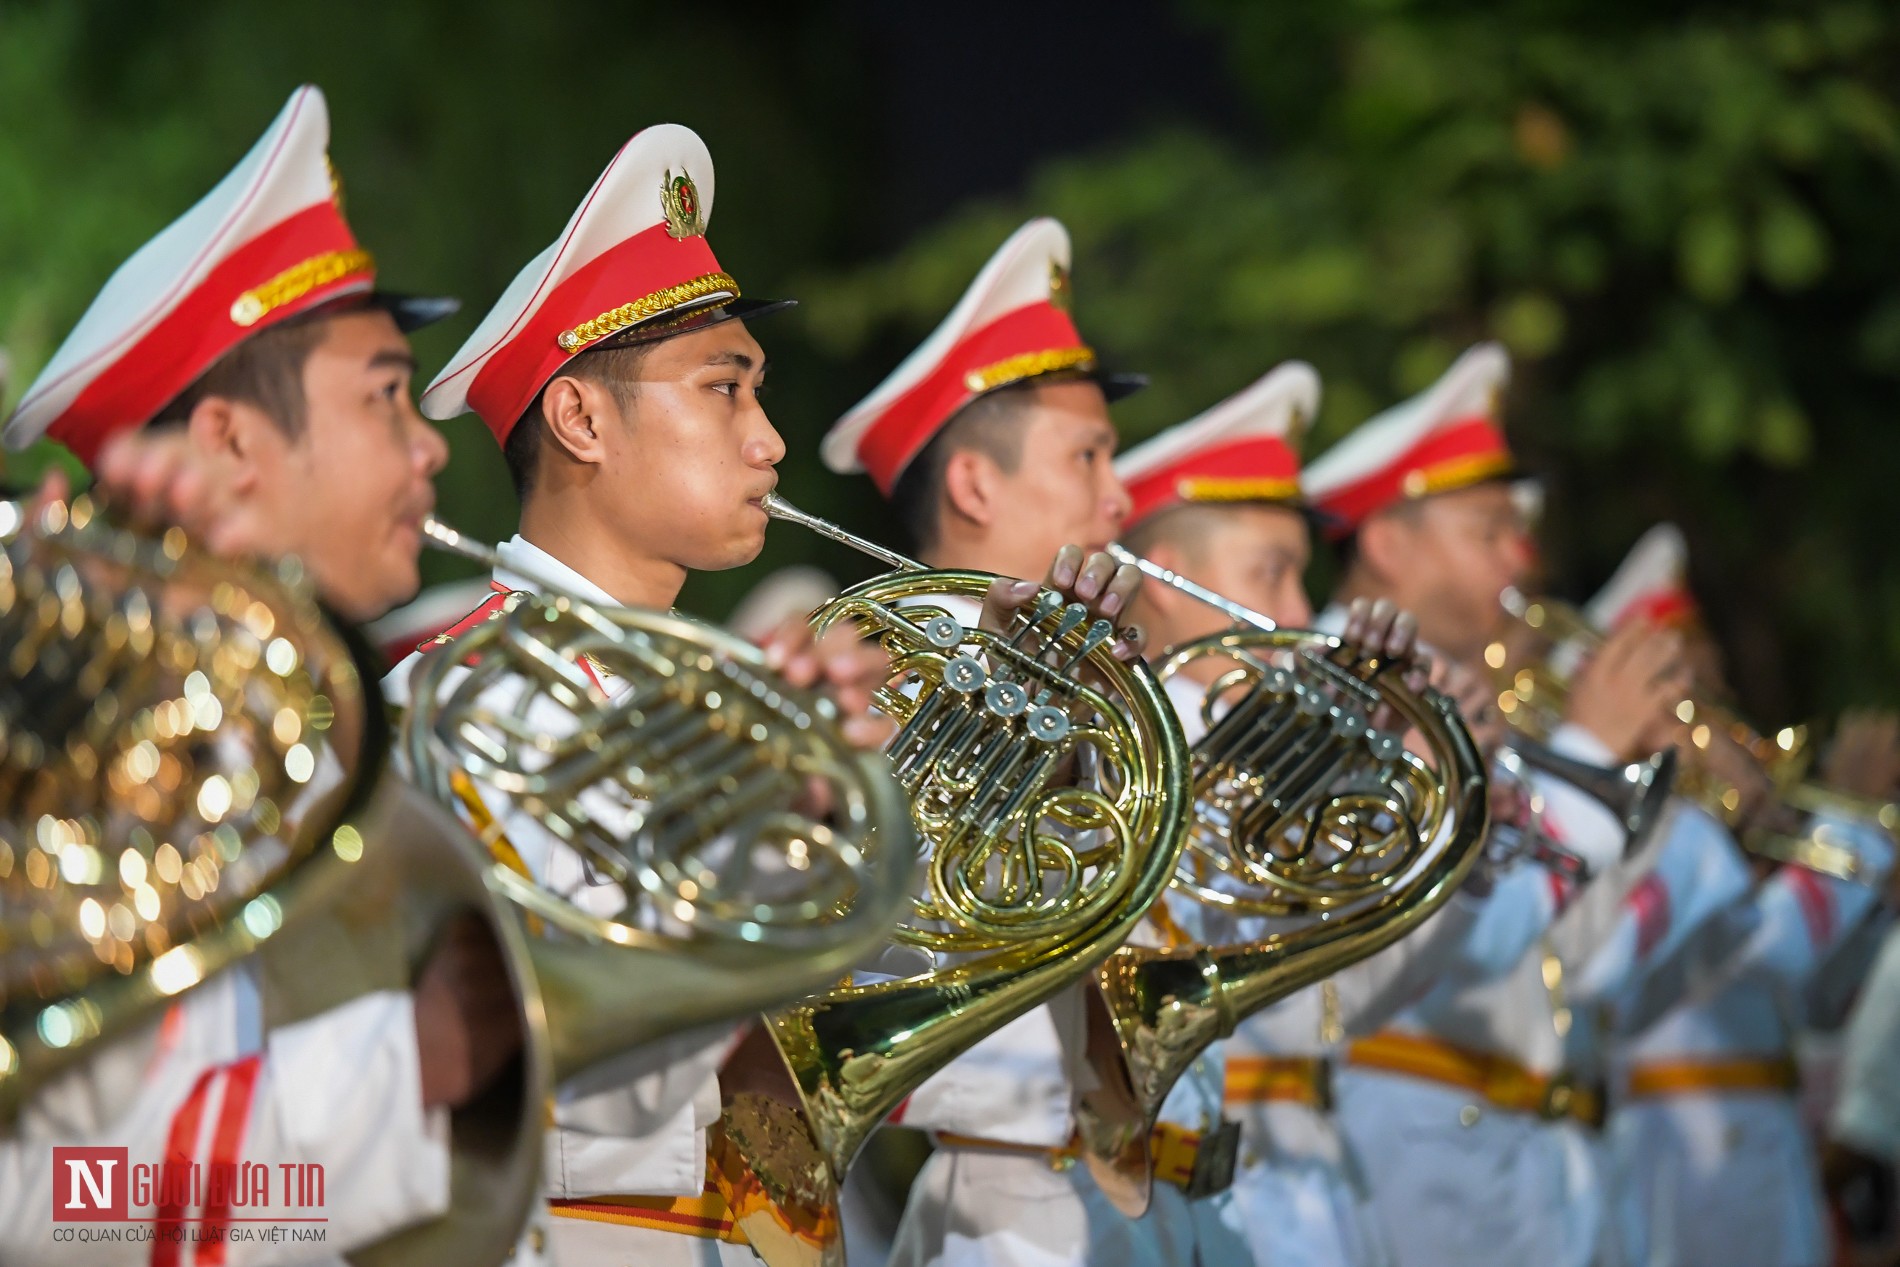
point(1681, 218)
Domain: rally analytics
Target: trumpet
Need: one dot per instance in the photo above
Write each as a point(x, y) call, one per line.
point(192, 776)
point(1032, 875)
point(1535, 694)
point(1635, 792)
point(678, 791)
point(1308, 812)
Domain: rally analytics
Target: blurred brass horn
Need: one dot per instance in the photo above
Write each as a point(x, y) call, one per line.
point(1316, 834)
point(679, 792)
point(1030, 878)
point(193, 775)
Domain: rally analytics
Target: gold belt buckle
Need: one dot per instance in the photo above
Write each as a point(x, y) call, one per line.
point(1559, 1096)
point(1214, 1161)
point(1323, 1084)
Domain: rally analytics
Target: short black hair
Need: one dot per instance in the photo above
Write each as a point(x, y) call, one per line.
point(615, 367)
point(991, 424)
point(265, 371)
point(1185, 525)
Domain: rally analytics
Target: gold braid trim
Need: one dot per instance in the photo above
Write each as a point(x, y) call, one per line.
point(1219, 489)
point(1029, 365)
point(1455, 473)
point(652, 305)
point(297, 281)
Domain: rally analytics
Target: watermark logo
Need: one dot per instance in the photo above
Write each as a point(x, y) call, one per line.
point(90, 1184)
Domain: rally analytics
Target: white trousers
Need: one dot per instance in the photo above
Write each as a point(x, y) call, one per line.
point(1726, 1180)
point(970, 1208)
point(1507, 1190)
point(1303, 1213)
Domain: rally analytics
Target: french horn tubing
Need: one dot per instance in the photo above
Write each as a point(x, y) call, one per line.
point(1317, 839)
point(681, 793)
point(193, 774)
point(1048, 784)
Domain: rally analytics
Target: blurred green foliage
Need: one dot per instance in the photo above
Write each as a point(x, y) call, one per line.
point(1680, 218)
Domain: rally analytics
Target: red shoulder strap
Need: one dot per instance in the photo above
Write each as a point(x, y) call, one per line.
point(487, 611)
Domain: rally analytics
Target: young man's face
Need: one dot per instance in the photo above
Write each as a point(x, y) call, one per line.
point(694, 453)
point(1451, 556)
point(1064, 490)
point(349, 494)
point(1253, 554)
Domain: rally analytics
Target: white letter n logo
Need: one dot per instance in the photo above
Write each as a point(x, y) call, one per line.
point(93, 1187)
point(101, 1192)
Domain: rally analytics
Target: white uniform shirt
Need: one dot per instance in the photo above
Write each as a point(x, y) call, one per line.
point(638, 1125)
point(342, 1089)
point(1730, 1177)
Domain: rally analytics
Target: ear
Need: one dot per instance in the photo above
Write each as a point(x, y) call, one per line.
point(972, 487)
point(239, 444)
point(578, 413)
point(1384, 545)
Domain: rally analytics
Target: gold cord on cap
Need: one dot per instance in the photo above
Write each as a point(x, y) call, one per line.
point(297, 281)
point(1029, 365)
point(660, 301)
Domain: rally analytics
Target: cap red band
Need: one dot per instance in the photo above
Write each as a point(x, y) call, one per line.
point(1664, 607)
point(200, 328)
point(1458, 455)
point(650, 261)
point(1033, 331)
point(1255, 468)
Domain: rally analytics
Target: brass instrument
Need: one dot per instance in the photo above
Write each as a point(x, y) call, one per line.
point(1534, 698)
point(1031, 876)
point(1536, 688)
point(679, 793)
point(192, 775)
point(1635, 792)
point(1312, 822)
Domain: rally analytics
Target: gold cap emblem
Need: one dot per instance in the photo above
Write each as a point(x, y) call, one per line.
point(679, 200)
point(1059, 295)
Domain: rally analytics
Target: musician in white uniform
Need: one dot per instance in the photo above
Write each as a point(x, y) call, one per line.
point(1710, 1160)
point(235, 367)
point(1463, 1110)
point(620, 378)
point(993, 443)
point(1217, 499)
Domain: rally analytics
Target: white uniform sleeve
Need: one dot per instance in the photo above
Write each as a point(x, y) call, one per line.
point(1698, 874)
point(1804, 915)
point(1867, 1115)
point(1018, 1084)
point(1380, 986)
point(1520, 908)
point(341, 1090)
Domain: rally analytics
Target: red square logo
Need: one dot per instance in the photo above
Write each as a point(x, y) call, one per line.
point(89, 1185)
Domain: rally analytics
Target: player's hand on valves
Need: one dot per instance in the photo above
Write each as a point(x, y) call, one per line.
point(1381, 630)
point(1103, 586)
point(154, 479)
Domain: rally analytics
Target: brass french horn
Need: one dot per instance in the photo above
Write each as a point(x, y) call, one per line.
point(679, 792)
point(1032, 875)
point(192, 775)
point(1316, 836)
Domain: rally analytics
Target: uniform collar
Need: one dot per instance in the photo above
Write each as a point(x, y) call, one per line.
point(526, 566)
